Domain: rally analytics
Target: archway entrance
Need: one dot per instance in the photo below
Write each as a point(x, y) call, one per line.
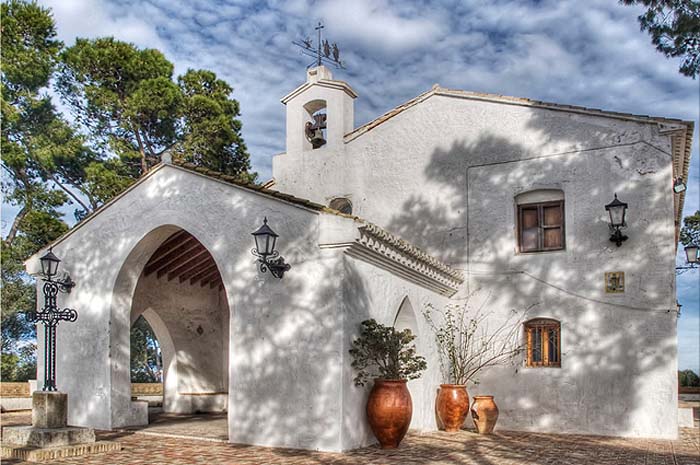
point(180, 293)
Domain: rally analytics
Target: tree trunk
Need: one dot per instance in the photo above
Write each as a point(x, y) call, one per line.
point(15, 225)
point(71, 194)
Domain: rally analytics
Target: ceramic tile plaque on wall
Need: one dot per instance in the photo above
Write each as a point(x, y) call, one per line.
point(615, 282)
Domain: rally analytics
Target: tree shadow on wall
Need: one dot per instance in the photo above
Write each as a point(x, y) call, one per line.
point(612, 345)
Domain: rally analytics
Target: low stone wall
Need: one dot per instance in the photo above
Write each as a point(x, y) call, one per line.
point(16, 396)
point(146, 389)
point(14, 389)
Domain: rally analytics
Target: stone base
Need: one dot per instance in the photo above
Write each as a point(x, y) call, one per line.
point(49, 454)
point(49, 409)
point(47, 437)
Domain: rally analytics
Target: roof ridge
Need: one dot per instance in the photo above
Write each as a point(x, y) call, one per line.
point(436, 89)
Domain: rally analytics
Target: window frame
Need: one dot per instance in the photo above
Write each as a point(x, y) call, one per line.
point(541, 227)
point(545, 324)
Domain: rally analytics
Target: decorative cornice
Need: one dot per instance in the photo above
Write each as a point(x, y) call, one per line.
point(383, 249)
point(328, 83)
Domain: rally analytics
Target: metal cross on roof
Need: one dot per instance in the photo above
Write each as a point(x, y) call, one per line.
point(324, 52)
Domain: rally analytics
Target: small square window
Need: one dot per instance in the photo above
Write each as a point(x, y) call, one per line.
point(615, 282)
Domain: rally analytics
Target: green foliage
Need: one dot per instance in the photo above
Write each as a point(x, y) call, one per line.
point(128, 111)
point(467, 345)
point(674, 26)
point(688, 378)
point(126, 100)
point(146, 361)
point(29, 47)
point(383, 352)
point(20, 366)
point(690, 233)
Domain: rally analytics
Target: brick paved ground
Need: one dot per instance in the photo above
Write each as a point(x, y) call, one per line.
point(503, 448)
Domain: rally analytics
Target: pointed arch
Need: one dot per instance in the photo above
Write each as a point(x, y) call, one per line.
point(406, 317)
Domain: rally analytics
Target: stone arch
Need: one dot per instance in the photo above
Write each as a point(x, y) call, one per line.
point(406, 319)
point(167, 349)
point(123, 411)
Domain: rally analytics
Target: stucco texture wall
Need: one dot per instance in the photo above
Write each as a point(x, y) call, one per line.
point(274, 324)
point(444, 174)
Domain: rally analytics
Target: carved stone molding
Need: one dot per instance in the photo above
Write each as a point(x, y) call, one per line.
point(381, 248)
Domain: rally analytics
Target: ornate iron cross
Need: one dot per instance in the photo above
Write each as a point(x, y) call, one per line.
point(50, 316)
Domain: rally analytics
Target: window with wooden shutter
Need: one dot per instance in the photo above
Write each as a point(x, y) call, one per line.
point(543, 343)
point(541, 226)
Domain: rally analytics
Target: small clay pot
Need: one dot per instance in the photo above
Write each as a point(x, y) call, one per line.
point(452, 406)
point(389, 411)
point(484, 414)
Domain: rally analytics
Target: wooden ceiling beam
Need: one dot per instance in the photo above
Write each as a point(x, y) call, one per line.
point(196, 269)
point(204, 273)
point(189, 264)
point(169, 244)
point(186, 245)
point(209, 277)
point(183, 259)
point(217, 282)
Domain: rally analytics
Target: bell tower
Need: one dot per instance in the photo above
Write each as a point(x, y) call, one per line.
point(319, 113)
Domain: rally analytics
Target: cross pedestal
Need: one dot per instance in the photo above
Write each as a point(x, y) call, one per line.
point(50, 437)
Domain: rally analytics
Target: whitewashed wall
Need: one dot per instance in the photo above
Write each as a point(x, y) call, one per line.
point(444, 174)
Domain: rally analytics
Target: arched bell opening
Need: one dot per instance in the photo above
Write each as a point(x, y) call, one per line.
point(316, 124)
point(181, 294)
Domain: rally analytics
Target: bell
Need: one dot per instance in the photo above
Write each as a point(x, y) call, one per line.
point(314, 134)
point(316, 138)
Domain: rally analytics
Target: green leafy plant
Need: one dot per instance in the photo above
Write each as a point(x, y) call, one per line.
point(382, 352)
point(468, 344)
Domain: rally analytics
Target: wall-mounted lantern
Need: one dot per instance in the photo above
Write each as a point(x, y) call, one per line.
point(678, 186)
point(268, 257)
point(51, 315)
point(617, 211)
point(692, 259)
point(691, 254)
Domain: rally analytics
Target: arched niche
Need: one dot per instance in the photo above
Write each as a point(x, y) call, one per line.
point(406, 319)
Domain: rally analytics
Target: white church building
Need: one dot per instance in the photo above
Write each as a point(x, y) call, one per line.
point(451, 194)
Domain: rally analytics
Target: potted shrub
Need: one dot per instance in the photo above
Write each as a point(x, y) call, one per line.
point(389, 357)
point(467, 345)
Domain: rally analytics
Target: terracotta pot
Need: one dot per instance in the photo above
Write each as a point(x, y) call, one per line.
point(389, 411)
point(484, 414)
point(452, 406)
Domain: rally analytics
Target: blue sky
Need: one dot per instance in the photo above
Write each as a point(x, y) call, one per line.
point(585, 53)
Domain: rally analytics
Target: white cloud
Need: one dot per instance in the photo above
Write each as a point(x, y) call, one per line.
point(96, 18)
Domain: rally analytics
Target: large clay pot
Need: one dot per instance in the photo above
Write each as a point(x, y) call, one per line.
point(452, 406)
point(484, 414)
point(389, 411)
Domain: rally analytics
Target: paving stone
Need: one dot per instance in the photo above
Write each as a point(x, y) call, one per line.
point(465, 447)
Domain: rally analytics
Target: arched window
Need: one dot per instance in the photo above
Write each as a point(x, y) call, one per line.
point(543, 337)
point(341, 204)
point(540, 218)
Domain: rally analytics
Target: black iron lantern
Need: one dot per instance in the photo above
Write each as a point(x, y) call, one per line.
point(49, 264)
point(268, 257)
point(51, 315)
point(691, 254)
point(265, 240)
point(617, 211)
point(679, 186)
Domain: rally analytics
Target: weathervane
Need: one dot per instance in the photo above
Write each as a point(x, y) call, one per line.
point(324, 51)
